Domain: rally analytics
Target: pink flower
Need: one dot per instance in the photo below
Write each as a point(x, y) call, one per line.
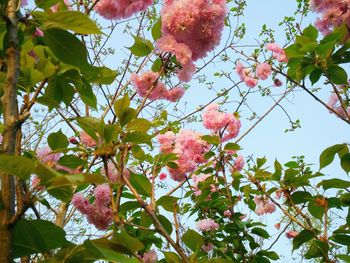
point(227, 213)
point(239, 163)
point(277, 83)
point(38, 33)
point(195, 23)
point(102, 195)
point(99, 214)
point(36, 184)
point(215, 120)
point(81, 203)
point(277, 52)
point(207, 247)
point(148, 84)
point(333, 14)
point(264, 205)
point(24, 3)
point(291, 234)
point(166, 140)
point(263, 71)
point(175, 94)
point(245, 75)
point(162, 176)
point(186, 72)
point(46, 156)
point(207, 225)
point(150, 257)
point(86, 140)
point(118, 9)
point(278, 226)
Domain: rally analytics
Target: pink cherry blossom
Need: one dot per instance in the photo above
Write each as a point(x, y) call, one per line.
point(227, 213)
point(118, 9)
point(150, 257)
point(87, 140)
point(291, 234)
point(277, 52)
point(162, 176)
point(207, 247)
point(264, 205)
point(263, 71)
point(207, 225)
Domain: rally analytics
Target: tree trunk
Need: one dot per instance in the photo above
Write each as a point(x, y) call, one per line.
point(12, 126)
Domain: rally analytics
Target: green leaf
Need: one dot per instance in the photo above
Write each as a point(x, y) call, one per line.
point(101, 75)
point(140, 125)
point(86, 94)
point(45, 4)
point(121, 104)
point(36, 236)
point(57, 140)
point(211, 139)
point(19, 166)
point(111, 132)
point(327, 156)
point(107, 250)
point(141, 184)
point(337, 75)
point(315, 210)
point(71, 161)
point(138, 138)
point(317, 249)
point(232, 147)
point(66, 47)
point(341, 239)
point(345, 162)
point(156, 29)
point(76, 21)
point(260, 232)
point(303, 237)
point(310, 32)
point(127, 115)
point(171, 257)
point(168, 202)
point(315, 76)
point(166, 224)
point(300, 197)
point(270, 254)
point(141, 47)
point(345, 258)
point(132, 243)
point(193, 240)
point(334, 183)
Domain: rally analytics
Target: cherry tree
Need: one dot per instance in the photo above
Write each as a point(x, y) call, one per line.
point(105, 158)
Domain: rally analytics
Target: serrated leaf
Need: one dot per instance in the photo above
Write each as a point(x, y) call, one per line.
point(193, 240)
point(76, 21)
point(57, 140)
point(141, 47)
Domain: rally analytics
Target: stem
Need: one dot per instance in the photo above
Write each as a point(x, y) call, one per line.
point(154, 218)
point(12, 126)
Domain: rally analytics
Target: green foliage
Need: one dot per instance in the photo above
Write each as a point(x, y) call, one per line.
point(36, 236)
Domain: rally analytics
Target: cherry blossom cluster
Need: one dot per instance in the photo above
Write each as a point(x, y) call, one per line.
point(264, 205)
point(333, 14)
point(190, 29)
point(207, 225)
point(98, 213)
point(189, 148)
point(262, 71)
point(196, 179)
point(149, 85)
point(150, 257)
point(335, 104)
point(118, 9)
point(225, 124)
